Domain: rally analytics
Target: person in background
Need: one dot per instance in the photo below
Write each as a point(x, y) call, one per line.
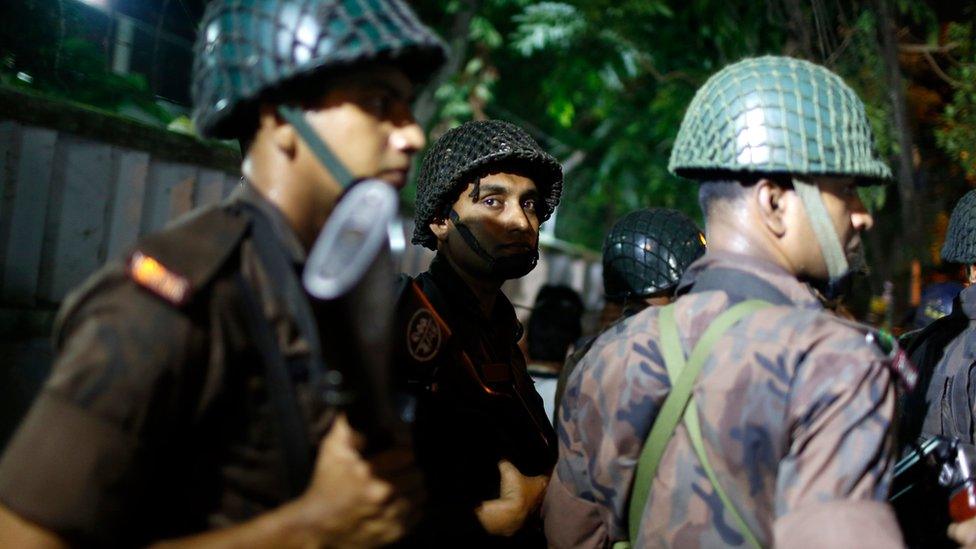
point(644, 256)
point(555, 324)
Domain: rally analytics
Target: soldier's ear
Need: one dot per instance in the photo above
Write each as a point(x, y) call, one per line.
point(773, 205)
point(282, 134)
point(439, 227)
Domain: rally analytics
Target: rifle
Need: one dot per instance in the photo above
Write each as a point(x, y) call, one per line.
point(350, 276)
point(933, 485)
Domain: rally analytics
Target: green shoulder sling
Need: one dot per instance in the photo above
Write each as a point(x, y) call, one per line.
point(676, 406)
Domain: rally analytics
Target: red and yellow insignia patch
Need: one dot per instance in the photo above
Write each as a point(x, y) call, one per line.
point(152, 275)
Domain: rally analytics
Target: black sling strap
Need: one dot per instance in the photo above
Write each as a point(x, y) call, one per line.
point(739, 286)
point(291, 425)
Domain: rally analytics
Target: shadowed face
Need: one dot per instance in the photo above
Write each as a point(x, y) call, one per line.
point(501, 214)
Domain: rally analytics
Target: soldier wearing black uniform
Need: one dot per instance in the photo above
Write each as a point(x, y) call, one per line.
point(482, 437)
point(186, 400)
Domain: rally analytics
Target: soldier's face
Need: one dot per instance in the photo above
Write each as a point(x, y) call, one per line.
point(501, 215)
point(365, 120)
point(847, 215)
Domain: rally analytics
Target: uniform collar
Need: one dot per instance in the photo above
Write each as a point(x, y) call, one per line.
point(459, 295)
point(967, 298)
point(246, 193)
point(779, 278)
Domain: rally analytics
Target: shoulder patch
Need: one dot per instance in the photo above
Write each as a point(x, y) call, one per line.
point(898, 360)
point(152, 275)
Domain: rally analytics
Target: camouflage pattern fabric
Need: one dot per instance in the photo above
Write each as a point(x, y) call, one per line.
point(951, 395)
point(796, 408)
point(776, 115)
point(960, 242)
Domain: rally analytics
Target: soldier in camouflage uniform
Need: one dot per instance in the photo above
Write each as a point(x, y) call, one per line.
point(944, 402)
point(187, 400)
point(795, 404)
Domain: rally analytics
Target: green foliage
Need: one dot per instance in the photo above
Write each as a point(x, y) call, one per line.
point(956, 134)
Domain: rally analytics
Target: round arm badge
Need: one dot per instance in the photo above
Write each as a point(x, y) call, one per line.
point(423, 336)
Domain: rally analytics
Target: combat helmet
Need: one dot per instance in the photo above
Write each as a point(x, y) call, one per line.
point(960, 242)
point(647, 251)
point(776, 115)
point(248, 48)
point(470, 151)
point(781, 116)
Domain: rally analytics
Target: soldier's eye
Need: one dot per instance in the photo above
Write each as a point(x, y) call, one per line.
point(529, 205)
point(491, 202)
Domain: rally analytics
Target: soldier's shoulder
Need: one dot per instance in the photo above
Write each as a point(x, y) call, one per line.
point(178, 262)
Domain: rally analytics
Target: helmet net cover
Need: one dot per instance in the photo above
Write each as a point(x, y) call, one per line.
point(647, 251)
point(247, 48)
point(960, 242)
point(471, 151)
point(776, 115)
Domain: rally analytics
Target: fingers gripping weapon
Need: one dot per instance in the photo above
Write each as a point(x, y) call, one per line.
point(934, 486)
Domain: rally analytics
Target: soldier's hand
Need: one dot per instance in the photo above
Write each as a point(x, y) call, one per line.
point(356, 502)
point(519, 497)
point(964, 533)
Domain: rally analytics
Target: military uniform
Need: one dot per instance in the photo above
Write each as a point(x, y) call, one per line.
point(795, 406)
point(156, 420)
point(784, 436)
point(461, 435)
point(944, 402)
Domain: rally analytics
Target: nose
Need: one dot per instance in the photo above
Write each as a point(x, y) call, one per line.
point(408, 137)
point(516, 219)
point(862, 221)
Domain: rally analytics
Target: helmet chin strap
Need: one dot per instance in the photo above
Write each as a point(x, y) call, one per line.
point(504, 268)
point(322, 152)
point(838, 267)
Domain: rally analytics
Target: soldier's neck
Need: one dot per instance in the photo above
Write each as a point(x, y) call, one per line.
point(724, 237)
point(298, 203)
point(485, 291)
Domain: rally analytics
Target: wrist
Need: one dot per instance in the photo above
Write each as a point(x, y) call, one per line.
point(302, 523)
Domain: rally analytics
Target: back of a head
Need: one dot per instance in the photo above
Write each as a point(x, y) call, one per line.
point(647, 251)
point(555, 324)
point(960, 242)
point(773, 117)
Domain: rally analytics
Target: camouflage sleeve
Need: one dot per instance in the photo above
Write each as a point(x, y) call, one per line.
point(605, 415)
point(76, 462)
point(836, 473)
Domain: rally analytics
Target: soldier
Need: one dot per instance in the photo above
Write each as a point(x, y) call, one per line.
point(163, 418)
point(785, 439)
point(482, 436)
point(944, 400)
point(644, 255)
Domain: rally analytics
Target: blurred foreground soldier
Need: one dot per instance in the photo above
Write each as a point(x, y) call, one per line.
point(644, 256)
point(944, 401)
point(555, 325)
point(482, 435)
point(777, 430)
point(187, 399)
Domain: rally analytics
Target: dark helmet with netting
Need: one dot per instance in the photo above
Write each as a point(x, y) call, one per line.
point(647, 251)
point(247, 49)
point(471, 151)
point(776, 115)
point(960, 242)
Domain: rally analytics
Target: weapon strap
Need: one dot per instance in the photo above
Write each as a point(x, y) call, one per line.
point(290, 423)
point(676, 406)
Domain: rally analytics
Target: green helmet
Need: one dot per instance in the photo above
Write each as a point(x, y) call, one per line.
point(247, 48)
point(960, 242)
point(776, 115)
